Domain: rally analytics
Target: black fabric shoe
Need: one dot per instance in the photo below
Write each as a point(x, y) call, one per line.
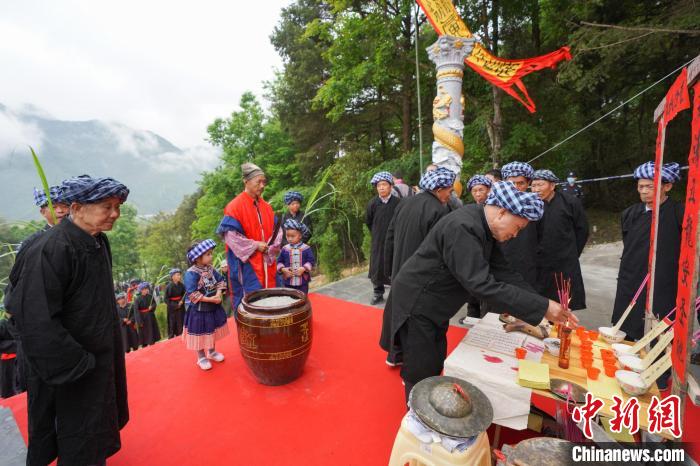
point(376, 300)
point(393, 360)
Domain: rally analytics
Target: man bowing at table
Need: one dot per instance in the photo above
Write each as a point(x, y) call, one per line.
point(458, 259)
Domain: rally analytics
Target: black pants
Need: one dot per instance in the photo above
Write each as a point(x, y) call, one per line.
point(424, 347)
point(378, 288)
point(175, 319)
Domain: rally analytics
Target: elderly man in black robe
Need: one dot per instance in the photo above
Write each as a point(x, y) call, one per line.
point(413, 219)
point(458, 259)
point(636, 228)
point(379, 212)
point(63, 308)
point(562, 233)
point(521, 251)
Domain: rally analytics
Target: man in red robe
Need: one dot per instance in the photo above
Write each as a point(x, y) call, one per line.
point(252, 236)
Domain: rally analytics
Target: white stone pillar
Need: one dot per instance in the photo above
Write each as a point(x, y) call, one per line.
point(448, 54)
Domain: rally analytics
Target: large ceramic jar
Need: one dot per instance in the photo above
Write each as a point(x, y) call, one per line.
point(275, 338)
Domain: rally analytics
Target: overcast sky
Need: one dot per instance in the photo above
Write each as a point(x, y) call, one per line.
point(169, 67)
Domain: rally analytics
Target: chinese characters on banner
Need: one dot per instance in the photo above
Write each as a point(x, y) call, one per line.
point(687, 260)
point(662, 414)
point(498, 71)
point(676, 101)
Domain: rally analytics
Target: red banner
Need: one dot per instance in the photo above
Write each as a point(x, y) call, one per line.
point(677, 98)
point(675, 101)
point(687, 262)
point(498, 71)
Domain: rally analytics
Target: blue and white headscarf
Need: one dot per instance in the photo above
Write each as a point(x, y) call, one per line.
point(121, 295)
point(517, 169)
point(382, 176)
point(174, 271)
point(199, 249)
point(527, 205)
point(478, 179)
point(143, 285)
point(291, 224)
point(56, 193)
point(670, 172)
point(85, 189)
point(291, 196)
point(441, 177)
point(546, 175)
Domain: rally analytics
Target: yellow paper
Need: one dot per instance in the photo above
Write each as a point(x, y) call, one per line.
point(623, 436)
point(533, 374)
point(605, 387)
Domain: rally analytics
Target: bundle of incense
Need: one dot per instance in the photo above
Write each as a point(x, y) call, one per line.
point(563, 291)
point(621, 320)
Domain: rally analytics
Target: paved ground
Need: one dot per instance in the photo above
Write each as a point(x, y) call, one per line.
point(599, 264)
point(13, 451)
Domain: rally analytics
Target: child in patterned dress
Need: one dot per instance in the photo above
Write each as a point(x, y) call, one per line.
point(205, 320)
point(297, 258)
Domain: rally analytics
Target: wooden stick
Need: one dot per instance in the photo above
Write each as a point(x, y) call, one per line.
point(622, 319)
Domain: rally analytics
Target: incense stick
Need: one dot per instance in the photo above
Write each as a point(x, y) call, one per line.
point(622, 319)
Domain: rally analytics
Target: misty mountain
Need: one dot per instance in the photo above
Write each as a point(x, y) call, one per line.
point(157, 172)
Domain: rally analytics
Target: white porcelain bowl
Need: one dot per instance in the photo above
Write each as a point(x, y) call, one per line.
point(620, 349)
point(632, 361)
point(607, 334)
point(631, 382)
point(553, 346)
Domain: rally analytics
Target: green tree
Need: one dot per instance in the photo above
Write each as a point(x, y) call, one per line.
point(123, 241)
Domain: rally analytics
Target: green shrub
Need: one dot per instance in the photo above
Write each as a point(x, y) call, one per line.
point(330, 253)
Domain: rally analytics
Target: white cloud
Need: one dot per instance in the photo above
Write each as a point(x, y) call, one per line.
point(134, 142)
point(169, 67)
point(193, 159)
point(16, 135)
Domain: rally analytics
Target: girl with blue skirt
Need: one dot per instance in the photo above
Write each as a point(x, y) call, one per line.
point(205, 320)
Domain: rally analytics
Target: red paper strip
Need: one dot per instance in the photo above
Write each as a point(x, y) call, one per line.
point(658, 161)
point(687, 260)
point(677, 98)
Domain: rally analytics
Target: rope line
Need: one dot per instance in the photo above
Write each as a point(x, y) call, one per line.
point(568, 138)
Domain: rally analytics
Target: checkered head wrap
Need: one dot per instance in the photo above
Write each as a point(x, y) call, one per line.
point(527, 205)
point(670, 172)
point(143, 285)
point(382, 176)
point(291, 196)
point(546, 175)
point(55, 192)
point(121, 295)
point(478, 179)
point(517, 169)
point(85, 189)
point(174, 271)
point(441, 177)
point(199, 249)
point(291, 224)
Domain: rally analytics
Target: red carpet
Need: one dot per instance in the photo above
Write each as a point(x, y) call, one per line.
point(345, 409)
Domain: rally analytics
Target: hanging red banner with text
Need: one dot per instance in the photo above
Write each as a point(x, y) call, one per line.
point(687, 262)
point(676, 100)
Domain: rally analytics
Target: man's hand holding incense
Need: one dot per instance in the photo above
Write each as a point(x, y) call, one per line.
point(557, 314)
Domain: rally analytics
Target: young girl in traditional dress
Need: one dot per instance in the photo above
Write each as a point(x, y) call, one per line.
point(297, 258)
point(205, 320)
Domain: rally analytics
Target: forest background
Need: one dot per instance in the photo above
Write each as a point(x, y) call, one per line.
point(345, 104)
